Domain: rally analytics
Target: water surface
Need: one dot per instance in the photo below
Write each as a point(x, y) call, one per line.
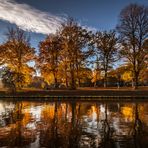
point(73, 124)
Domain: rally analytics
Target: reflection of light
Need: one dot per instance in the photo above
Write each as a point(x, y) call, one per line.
point(48, 111)
point(91, 120)
point(94, 114)
point(127, 112)
point(1, 108)
point(102, 108)
point(31, 125)
point(5, 106)
point(35, 111)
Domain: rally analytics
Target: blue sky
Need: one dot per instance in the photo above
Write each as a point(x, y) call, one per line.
point(41, 17)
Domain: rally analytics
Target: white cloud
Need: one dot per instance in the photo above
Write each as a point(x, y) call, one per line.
point(93, 29)
point(29, 18)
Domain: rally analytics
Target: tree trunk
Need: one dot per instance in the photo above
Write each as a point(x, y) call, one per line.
point(79, 82)
point(96, 76)
point(105, 79)
point(66, 76)
point(73, 85)
point(55, 79)
point(95, 84)
point(135, 80)
point(78, 77)
point(19, 76)
point(72, 80)
point(56, 82)
point(66, 81)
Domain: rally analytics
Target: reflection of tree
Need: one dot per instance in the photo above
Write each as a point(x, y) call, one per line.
point(106, 132)
point(19, 135)
point(17, 113)
point(66, 112)
point(18, 130)
point(56, 140)
point(75, 133)
point(98, 114)
point(49, 135)
point(59, 132)
point(137, 128)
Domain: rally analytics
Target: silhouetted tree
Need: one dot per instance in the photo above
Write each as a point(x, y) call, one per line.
point(106, 48)
point(133, 29)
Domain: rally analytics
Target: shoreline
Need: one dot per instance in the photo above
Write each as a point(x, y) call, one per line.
point(79, 94)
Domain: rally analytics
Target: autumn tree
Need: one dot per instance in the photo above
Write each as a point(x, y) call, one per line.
point(106, 49)
point(85, 76)
point(74, 41)
point(8, 78)
point(133, 29)
point(17, 52)
point(2, 61)
point(49, 57)
point(144, 76)
point(64, 69)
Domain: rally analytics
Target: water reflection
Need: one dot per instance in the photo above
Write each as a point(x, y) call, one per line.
point(73, 124)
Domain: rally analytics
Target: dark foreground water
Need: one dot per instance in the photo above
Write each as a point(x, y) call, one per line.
point(73, 124)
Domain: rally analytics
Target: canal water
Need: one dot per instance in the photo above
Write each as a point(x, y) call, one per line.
point(73, 124)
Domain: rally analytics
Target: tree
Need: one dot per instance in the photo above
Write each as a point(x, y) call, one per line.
point(122, 75)
point(1, 56)
point(144, 76)
point(133, 29)
point(74, 41)
point(8, 78)
point(64, 70)
point(49, 57)
point(127, 76)
point(105, 47)
point(85, 76)
point(17, 52)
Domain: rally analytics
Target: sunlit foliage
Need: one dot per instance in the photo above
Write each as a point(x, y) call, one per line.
point(17, 52)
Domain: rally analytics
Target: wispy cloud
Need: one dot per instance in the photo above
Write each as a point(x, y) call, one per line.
point(28, 18)
point(88, 28)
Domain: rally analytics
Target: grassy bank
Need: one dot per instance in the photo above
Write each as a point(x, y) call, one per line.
point(86, 93)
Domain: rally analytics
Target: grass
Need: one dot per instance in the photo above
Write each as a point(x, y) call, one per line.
point(88, 91)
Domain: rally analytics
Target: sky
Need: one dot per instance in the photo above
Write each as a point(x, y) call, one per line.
point(42, 17)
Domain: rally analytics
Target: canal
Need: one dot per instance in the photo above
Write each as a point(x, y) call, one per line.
point(73, 124)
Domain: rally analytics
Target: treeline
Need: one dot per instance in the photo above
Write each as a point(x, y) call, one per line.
point(65, 58)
